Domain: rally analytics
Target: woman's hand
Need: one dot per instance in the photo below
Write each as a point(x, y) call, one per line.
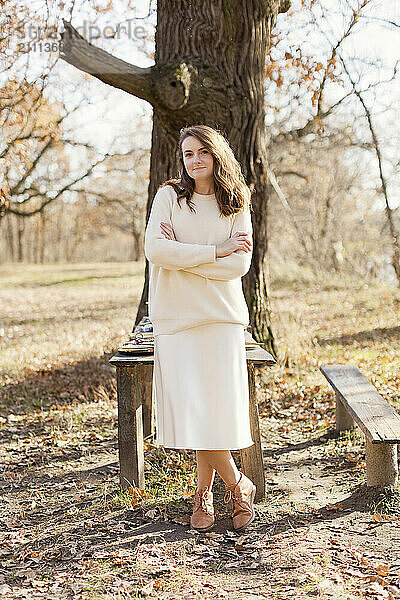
point(167, 231)
point(239, 241)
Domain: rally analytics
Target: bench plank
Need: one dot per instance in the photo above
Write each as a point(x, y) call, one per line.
point(379, 421)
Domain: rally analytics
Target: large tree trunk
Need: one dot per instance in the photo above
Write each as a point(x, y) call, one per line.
point(209, 68)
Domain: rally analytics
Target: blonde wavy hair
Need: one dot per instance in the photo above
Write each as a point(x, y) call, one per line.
point(231, 191)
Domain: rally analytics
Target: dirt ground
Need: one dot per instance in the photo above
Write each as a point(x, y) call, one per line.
point(69, 531)
point(317, 533)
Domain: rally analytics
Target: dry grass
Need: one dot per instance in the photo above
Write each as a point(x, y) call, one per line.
point(57, 315)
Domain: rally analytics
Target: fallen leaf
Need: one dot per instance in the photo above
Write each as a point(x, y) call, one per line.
point(212, 535)
point(382, 570)
point(148, 588)
point(253, 565)
point(338, 506)
point(5, 589)
point(26, 573)
point(232, 565)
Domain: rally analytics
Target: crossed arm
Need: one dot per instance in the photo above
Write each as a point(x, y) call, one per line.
point(236, 264)
point(171, 254)
point(199, 259)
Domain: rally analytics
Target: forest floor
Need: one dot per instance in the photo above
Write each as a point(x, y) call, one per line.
point(69, 531)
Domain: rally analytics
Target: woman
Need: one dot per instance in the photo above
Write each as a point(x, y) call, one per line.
point(198, 242)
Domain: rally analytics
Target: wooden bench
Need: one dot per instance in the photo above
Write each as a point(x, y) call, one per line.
point(135, 416)
point(358, 402)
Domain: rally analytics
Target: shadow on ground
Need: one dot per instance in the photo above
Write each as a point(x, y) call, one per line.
point(83, 381)
point(379, 333)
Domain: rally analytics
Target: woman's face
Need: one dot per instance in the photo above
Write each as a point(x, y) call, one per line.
point(198, 160)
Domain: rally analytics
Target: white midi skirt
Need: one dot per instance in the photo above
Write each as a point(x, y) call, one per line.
point(200, 388)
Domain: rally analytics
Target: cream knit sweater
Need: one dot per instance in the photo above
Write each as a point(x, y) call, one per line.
point(188, 285)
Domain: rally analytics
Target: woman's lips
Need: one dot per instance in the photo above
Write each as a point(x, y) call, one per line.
point(195, 168)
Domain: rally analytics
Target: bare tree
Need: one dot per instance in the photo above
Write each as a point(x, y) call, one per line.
point(36, 148)
point(316, 79)
point(389, 212)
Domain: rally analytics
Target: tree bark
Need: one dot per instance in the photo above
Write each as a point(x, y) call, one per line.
point(209, 68)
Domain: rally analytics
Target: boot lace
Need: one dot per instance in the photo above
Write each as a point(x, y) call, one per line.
point(204, 502)
point(228, 497)
point(238, 499)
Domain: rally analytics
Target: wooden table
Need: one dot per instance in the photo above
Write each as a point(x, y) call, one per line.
point(135, 416)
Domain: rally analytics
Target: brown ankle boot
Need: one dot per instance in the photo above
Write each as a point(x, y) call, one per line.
point(242, 497)
point(203, 510)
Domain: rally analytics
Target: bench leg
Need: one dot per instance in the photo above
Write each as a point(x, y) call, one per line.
point(252, 457)
point(344, 420)
point(381, 459)
point(130, 390)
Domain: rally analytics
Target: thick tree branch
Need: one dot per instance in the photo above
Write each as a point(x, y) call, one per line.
point(76, 51)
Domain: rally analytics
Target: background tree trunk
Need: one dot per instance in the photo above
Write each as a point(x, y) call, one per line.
point(136, 238)
point(42, 229)
point(209, 68)
point(20, 235)
point(10, 238)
